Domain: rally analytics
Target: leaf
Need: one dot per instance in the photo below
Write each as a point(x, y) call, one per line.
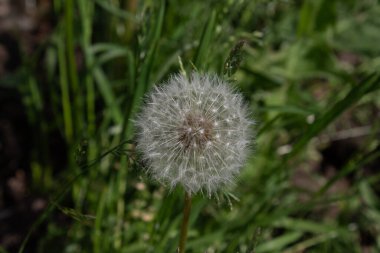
point(83, 218)
point(279, 243)
point(305, 225)
point(369, 84)
point(205, 41)
point(143, 83)
point(116, 11)
point(108, 95)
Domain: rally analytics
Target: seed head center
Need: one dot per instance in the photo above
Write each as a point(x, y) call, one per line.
point(195, 132)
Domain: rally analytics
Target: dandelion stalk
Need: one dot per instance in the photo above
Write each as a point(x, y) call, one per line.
point(185, 223)
point(194, 132)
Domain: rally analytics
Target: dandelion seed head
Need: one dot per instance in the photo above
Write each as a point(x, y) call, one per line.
point(194, 132)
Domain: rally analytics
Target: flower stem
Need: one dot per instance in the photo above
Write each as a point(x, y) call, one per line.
point(185, 223)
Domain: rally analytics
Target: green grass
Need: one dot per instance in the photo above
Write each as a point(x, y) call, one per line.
point(309, 70)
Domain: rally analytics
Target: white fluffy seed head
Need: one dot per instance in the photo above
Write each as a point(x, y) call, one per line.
point(194, 132)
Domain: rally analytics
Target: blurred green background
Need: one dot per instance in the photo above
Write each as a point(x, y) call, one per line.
point(73, 74)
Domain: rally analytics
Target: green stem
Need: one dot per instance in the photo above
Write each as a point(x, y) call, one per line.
point(65, 92)
point(71, 63)
point(86, 13)
point(185, 223)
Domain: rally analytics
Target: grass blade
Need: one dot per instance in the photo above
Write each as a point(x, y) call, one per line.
point(205, 41)
point(357, 92)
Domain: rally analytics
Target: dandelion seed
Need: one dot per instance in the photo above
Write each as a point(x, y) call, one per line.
point(189, 123)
